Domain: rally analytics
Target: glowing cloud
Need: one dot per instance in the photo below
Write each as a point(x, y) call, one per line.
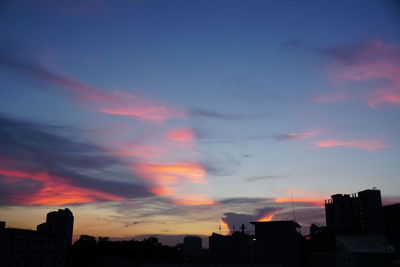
point(166, 178)
point(54, 190)
point(184, 135)
point(173, 173)
point(194, 200)
point(267, 217)
point(224, 225)
point(371, 145)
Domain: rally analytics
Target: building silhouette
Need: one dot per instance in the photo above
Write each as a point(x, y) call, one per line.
point(356, 213)
point(280, 243)
point(59, 222)
point(48, 246)
point(192, 245)
point(391, 215)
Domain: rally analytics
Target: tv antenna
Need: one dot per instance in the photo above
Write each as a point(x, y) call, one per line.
point(294, 213)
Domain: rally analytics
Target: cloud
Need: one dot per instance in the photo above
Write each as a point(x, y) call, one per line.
point(370, 144)
point(181, 135)
point(115, 103)
point(204, 113)
point(374, 63)
point(266, 177)
point(40, 166)
point(234, 220)
point(295, 136)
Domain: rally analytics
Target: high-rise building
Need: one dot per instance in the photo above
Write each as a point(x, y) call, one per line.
point(48, 246)
point(59, 222)
point(355, 213)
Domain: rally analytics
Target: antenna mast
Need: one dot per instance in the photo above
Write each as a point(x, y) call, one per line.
point(294, 214)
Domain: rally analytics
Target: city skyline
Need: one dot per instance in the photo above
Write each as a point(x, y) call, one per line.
point(180, 117)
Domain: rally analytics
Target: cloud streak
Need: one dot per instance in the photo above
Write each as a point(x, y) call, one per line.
point(266, 177)
point(373, 62)
point(204, 113)
point(39, 166)
point(370, 144)
point(295, 136)
point(115, 103)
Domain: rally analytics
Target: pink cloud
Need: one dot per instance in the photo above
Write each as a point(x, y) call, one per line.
point(116, 103)
point(141, 151)
point(371, 144)
point(184, 135)
point(375, 61)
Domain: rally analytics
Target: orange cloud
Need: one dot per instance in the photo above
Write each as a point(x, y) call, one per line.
point(268, 217)
point(55, 190)
point(194, 200)
point(172, 173)
point(224, 225)
point(371, 145)
point(181, 135)
point(314, 201)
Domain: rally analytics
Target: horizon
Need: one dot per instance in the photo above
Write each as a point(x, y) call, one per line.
point(185, 117)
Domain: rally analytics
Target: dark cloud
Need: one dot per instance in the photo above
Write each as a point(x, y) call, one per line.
point(244, 200)
point(266, 177)
point(221, 165)
point(38, 148)
point(286, 137)
point(354, 53)
point(204, 113)
point(305, 216)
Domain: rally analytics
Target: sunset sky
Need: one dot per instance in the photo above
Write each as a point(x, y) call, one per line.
point(186, 117)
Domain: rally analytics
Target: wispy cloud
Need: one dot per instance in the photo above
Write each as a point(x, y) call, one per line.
point(370, 144)
point(374, 61)
point(295, 136)
point(115, 103)
point(204, 113)
point(266, 177)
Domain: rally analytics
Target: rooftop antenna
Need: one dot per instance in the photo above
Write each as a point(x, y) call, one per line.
point(294, 214)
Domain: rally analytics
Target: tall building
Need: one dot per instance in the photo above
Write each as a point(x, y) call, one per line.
point(59, 222)
point(355, 213)
point(48, 246)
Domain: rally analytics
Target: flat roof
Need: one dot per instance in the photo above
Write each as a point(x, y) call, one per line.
point(276, 223)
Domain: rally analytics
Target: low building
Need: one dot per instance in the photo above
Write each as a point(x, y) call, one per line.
point(235, 248)
point(364, 251)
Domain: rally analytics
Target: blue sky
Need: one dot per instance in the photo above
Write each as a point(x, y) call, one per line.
point(195, 113)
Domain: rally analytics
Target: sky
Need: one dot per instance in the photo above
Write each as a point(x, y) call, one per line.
point(153, 117)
